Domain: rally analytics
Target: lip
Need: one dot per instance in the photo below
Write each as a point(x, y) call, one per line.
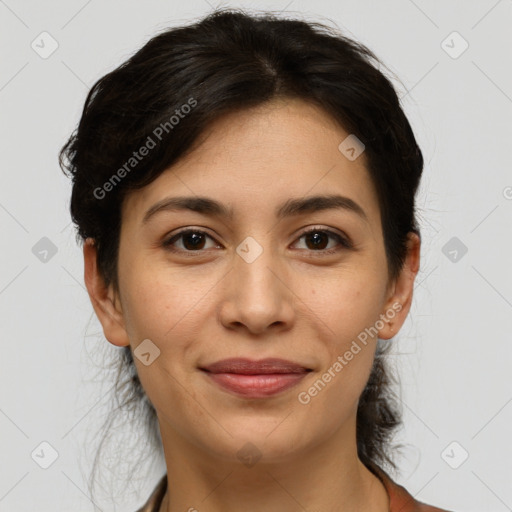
point(256, 379)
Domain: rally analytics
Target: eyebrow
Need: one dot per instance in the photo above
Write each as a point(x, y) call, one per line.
point(291, 207)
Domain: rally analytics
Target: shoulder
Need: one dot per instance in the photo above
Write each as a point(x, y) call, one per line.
point(155, 500)
point(400, 500)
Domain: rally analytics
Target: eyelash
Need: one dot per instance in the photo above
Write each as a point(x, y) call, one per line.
point(345, 243)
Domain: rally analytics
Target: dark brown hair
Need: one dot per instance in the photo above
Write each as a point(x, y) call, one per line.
point(230, 61)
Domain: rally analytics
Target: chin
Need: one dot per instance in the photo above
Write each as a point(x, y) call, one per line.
point(268, 439)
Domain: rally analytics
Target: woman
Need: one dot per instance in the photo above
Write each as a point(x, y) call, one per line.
point(245, 190)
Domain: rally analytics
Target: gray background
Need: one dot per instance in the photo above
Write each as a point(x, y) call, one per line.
point(454, 352)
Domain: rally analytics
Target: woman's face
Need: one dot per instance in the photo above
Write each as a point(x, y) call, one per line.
point(253, 285)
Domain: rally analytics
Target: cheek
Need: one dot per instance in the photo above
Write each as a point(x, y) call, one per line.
point(331, 400)
point(350, 306)
point(166, 310)
point(161, 306)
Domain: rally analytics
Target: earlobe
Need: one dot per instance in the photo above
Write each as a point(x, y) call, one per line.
point(103, 298)
point(399, 303)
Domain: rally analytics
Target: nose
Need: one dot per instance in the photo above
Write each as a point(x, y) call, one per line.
point(257, 295)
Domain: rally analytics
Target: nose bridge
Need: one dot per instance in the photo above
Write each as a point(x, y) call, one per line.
point(257, 297)
point(253, 264)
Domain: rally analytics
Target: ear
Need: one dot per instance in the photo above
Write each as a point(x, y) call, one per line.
point(400, 294)
point(103, 299)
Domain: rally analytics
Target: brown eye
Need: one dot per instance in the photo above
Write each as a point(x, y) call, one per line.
point(193, 240)
point(317, 240)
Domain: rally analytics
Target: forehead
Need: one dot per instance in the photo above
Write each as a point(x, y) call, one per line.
point(255, 159)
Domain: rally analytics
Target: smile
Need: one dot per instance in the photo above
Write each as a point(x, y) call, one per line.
point(255, 378)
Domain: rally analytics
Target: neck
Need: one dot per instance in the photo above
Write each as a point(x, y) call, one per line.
point(328, 477)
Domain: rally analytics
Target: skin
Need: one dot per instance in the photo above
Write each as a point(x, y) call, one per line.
point(291, 302)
